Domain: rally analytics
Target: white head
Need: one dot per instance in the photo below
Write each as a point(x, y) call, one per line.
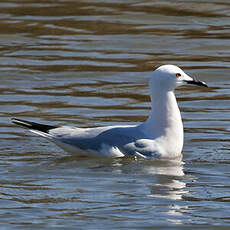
point(170, 76)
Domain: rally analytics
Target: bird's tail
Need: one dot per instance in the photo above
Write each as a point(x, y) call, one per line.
point(33, 126)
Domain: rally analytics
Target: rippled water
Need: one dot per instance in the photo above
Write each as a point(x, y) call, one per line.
point(87, 63)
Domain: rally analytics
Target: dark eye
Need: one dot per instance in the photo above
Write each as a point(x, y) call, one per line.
point(178, 75)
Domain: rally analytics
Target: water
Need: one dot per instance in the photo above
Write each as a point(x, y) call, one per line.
point(87, 63)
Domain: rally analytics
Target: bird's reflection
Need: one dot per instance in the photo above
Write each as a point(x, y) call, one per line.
point(165, 179)
point(167, 176)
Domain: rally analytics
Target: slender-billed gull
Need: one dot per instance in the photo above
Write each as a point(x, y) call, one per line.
point(160, 136)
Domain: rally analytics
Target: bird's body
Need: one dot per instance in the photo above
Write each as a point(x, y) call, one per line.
point(160, 136)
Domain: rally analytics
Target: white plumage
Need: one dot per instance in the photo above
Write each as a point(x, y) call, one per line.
point(160, 136)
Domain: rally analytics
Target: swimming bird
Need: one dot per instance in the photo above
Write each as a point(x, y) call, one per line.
point(160, 136)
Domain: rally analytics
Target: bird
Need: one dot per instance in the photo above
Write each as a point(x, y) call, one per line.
point(160, 136)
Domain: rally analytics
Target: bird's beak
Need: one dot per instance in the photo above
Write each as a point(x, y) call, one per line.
point(189, 80)
point(196, 82)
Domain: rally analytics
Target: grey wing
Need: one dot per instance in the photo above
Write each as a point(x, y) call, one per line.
point(126, 139)
point(129, 140)
point(115, 137)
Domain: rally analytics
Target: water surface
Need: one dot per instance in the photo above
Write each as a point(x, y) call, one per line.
point(87, 64)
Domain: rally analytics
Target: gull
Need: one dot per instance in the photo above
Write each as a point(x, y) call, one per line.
point(161, 136)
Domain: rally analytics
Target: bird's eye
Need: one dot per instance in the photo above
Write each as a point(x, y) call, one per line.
point(178, 75)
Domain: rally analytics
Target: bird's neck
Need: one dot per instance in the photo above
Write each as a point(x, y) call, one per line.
point(165, 118)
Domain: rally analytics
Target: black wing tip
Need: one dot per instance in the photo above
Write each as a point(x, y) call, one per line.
point(33, 125)
point(21, 122)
